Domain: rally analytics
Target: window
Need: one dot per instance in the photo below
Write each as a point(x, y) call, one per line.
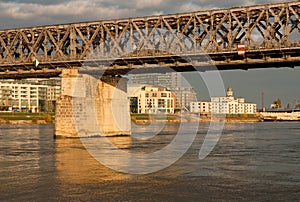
point(161, 103)
point(164, 95)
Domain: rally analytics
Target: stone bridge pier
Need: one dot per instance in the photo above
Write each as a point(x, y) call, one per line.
point(91, 107)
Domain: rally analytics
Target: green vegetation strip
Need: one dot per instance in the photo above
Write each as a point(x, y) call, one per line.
point(147, 117)
point(48, 117)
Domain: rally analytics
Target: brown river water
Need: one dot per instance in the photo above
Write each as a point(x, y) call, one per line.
point(251, 162)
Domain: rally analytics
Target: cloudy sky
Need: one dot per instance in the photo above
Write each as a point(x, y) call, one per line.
point(24, 13)
point(283, 83)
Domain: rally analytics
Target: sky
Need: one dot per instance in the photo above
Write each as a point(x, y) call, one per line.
point(280, 83)
point(28, 13)
point(274, 83)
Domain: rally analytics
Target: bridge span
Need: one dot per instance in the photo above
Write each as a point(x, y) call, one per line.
point(269, 33)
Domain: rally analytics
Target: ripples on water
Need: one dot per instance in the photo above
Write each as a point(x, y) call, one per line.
point(252, 161)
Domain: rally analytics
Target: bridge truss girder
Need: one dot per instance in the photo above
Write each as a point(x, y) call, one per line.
point(271, 34)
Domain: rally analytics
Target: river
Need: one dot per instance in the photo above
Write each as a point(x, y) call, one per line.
point(250, 162)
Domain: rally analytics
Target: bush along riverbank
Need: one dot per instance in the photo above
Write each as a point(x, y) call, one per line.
point(49, 118)
point(26, 118)
point(146, 118)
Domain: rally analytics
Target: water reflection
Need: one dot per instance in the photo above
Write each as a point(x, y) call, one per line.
point(26, 160)
point(75, 160)
point(75, 164)
point(257, 161)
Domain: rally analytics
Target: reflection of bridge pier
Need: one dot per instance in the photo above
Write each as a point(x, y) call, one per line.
point(88, 106)
point(76, 165)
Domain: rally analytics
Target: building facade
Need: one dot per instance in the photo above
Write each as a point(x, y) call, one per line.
point(152, 100)
point(173, 81)
point(224, 105)
point(27, 96)
point(167, 80)
point(184, 96)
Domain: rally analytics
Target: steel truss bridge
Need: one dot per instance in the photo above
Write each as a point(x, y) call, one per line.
point(270, 34)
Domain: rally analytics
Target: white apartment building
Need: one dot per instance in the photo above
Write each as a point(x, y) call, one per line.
point(224, 105)
point(173, 81)
point(53, 92)
point(22, 97)
point(152, 100)
point(27, 96)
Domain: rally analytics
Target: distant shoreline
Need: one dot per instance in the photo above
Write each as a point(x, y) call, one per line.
point(48, 118)
point(23, 122)
point(15, 118)
point(146, 119)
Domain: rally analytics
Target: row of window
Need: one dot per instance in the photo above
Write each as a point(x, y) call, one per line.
point(156, 95)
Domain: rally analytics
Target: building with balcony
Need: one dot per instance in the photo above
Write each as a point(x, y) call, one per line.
point(167, 80)
point(28, 95)
point(184, 96)
point(151, 100)
point(173, 81)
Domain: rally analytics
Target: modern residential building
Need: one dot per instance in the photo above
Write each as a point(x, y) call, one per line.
point(28, 95)
point(224, 105)
point(151, 100)
point(184, 96)
point(167, 80)
point(53, 92)
point(173, 81)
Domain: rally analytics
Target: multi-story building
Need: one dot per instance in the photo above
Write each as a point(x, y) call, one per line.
point(167, 80)
point(152, 100)
point(172, 81)
point(22, 97)
point(27, 95)
point(224, 105)
point(53, 92)
point(184, 96)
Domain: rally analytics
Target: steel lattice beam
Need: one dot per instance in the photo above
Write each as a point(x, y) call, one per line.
point(271, 34)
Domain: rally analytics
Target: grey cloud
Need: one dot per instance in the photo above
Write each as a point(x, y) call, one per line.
point(40, 2)
point(24, 13)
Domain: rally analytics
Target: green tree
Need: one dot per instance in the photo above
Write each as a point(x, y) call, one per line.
point(277, 103)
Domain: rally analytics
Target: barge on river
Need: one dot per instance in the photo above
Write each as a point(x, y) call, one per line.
point(281, 115)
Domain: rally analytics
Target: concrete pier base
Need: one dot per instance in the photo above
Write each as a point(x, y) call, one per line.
point(92, 107)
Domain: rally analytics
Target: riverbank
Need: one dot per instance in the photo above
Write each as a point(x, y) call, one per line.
point(48, 118)
point(172, 118)
point(26, 118)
